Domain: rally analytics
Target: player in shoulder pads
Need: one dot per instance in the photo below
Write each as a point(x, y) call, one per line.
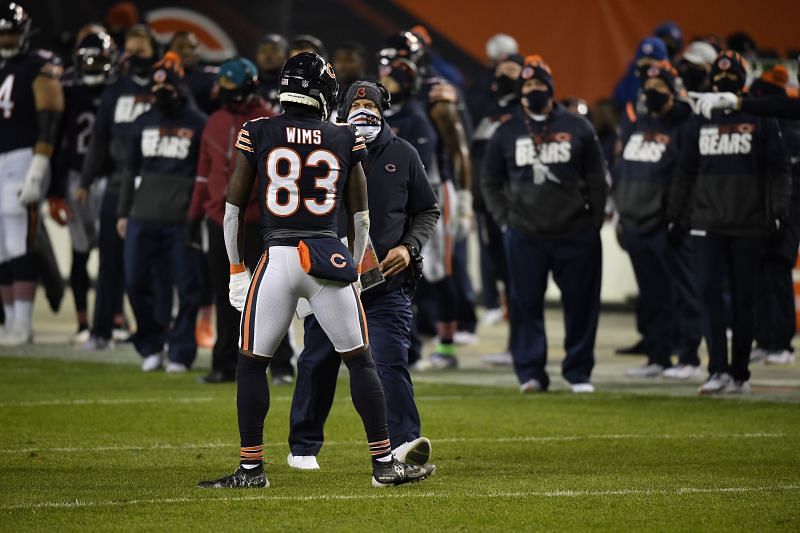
point(31, 104)
point(95, 57)
point(305, 168)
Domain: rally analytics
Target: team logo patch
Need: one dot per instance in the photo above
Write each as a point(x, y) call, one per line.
point(390, 167)
point(652, 72)
point(724, 64)
point(527, 72)
point(329, 70)
point(647, 48)
point(361, 92)
point(338, 261)
point(160, 76)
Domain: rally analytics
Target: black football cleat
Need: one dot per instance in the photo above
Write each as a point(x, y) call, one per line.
point(393, 473)
point(241, 479)
point(638, 348)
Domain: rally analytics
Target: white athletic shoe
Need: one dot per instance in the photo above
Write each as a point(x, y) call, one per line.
point(683, 372)
point(176, 368)
point(784, 357)
point(465, 338)
point(581, 388)
point(737, 387)
point(647, 371)
point(303, 462)
point(715, 384)
point(532, 386)
point(16, 337)
point(81, 337)
point(152, 363)
point(757, 355)
point(492, 317)
point(416, 452)
point(498, 359)
point(120, 334)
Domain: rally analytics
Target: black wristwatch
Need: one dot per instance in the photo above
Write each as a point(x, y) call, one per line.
point(412, 250)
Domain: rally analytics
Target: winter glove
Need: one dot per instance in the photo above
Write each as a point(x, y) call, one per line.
point(708, 102)
point(463, 214)
point(31, 191)
point(239, 284)
point(675, 233)
point(59, 210)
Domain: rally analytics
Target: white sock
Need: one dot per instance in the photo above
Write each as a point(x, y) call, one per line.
point(8, 309)
point(23, 314)
point(386, 459)
point(249, 467)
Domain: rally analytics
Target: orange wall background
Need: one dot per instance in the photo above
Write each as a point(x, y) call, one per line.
point(588, 44)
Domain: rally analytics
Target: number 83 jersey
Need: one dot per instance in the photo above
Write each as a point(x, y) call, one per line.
point(302, 166)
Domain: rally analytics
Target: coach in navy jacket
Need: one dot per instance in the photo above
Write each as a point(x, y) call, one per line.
point(544, 182)
point(403, 213)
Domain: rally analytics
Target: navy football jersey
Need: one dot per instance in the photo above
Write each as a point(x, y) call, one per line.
point(302, 166)
point(18, 123)
point(80, 109)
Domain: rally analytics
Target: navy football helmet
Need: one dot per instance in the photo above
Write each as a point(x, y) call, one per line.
point(95, 58)
point(308, 79)
point(14, 20)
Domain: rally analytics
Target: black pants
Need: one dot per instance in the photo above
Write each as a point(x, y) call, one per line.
point(226, 348)
point(775, 315)
point(111, 271)
point(740, 259)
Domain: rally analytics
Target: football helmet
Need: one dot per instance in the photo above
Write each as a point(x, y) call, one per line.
point(310, 80)
point(237, 79)
point(95, 58)
point(405, 45)
point(15, 20)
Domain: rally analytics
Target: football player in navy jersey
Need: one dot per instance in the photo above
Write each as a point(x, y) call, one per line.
point(304, 168)
point(453, 168)
point(31, 104)
point(95, 58)
point(121, 104)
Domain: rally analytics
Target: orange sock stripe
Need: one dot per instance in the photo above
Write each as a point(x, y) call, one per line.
point(251, 448)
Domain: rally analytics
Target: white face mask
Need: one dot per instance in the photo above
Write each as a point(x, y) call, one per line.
point(368, 123)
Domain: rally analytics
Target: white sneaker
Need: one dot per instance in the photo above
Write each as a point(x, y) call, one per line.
point(715, 384)
point(82, 337)
point(303, 462)
point(683, 372)
point(737, 387)
point(757, 354)
point(465, 338)
point(16, 337)
point(152, 363)
point(416, 452)
point(784, 357)
point(492, 317)
point(498, 359)
point(531, 386)
point(647, 371)
point(176, 368)
point(120, 335)
point(581, 388)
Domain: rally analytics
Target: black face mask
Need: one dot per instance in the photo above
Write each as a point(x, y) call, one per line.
point(503, 86)
point(655, 100)
point(168, 101)
point(537, 101)
point(728, 85)
point(140, 66)
point(694, 79)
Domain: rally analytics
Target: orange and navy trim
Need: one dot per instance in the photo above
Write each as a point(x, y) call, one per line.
point(251, 455)
point(360, 143)
point(362, 317)
point(249, 312)
point(243, 141)
point(380, 448)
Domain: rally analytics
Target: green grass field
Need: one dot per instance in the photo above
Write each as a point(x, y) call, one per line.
point(88, 446)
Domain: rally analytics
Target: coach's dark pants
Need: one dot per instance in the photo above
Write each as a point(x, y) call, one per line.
point(226, 348)
point(740, 259)
point(465, 294)
point(110, 286)
point(492, 259)
point(667, 285)
point(150, 245)
point(576, 263)
point(775, 309)
point(389, 324)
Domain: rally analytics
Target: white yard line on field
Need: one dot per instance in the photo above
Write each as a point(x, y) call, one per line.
point(265, 496)
point(104, 401)
point(523, 438)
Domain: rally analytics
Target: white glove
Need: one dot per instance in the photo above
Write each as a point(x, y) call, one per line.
point(463, 214)
point(31, 191)
point(711, 101)
point(238, 287)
